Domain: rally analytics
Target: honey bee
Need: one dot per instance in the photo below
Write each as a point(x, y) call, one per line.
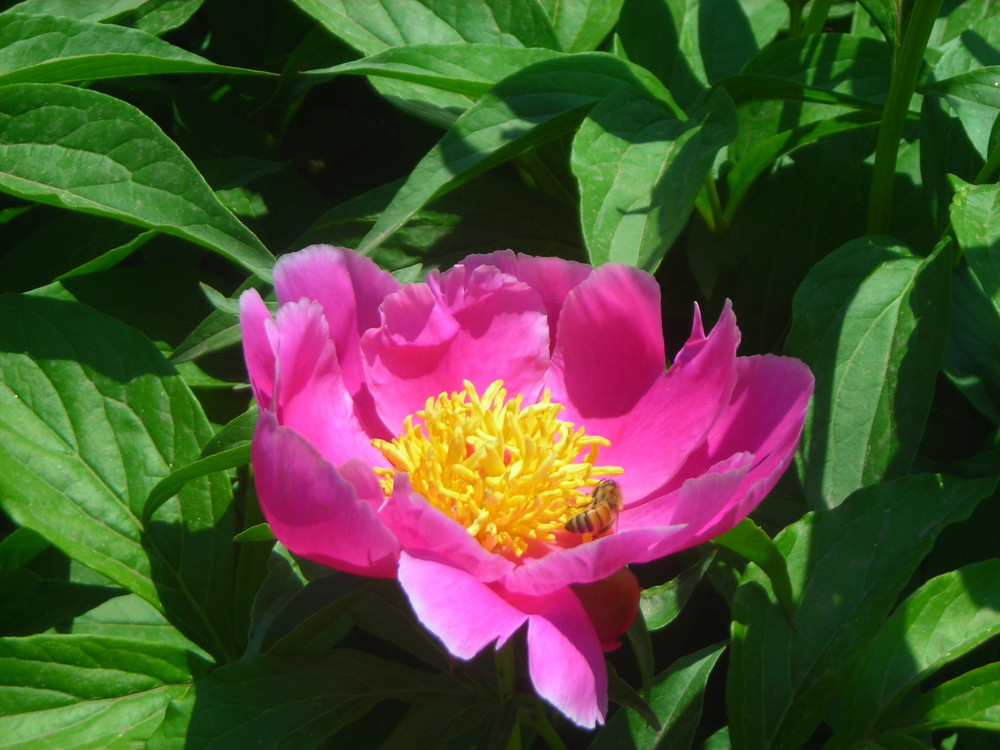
point(601, 512)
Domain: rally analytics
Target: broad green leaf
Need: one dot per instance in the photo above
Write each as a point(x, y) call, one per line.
point(581, 25)
point(371, 26)
point(289, 701)
point(19, 547)
point(526, 109)
point(171, 484)
point(764, 153)
point(837, 68)
point(439, 81)
point(848, 565)
point(870, 320)
point(91, 417)
point(135, 619)
point(967, 75)
point(88, 691)
point(972, 359)
point(640, 169)
point(960, 19)
point(50, 49)
point(32, 604)
point(975, 215)
point(676, 701)
point(887, 16)
point(159, 16)
point(468, 69)
point(234, 434)
point(389, 616)
point(662, 604)
point(748, 540)
point(87, 10)
point(945, 618)
point(219, 330)
point(468, 719)
point(970, 701)
point(90, 152)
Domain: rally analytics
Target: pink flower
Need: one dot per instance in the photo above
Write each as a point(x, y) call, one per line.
point(443, 433)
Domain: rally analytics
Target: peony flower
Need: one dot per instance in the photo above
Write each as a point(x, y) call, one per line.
point(444, 433)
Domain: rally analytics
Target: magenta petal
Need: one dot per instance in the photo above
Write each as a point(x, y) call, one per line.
point(311, 397)
point(479, 326)
point(420, 526)
point(312, 509)
point(610, 343)
point(552, 278)
point(596, 559)
point(565, 658)
point(259, 345)
point(674, 417)
point(350, 288)
point(465, 613)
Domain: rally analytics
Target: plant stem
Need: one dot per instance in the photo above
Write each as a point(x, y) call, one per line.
point(904, 79)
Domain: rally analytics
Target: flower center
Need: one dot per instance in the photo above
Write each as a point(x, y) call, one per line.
point(510, 475)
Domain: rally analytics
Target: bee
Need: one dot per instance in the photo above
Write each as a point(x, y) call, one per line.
point(601, 512)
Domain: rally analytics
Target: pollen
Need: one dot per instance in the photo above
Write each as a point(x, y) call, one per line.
point(513, 475)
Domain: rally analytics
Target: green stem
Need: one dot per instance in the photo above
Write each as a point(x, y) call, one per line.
point(794, 18)
point(713, 213)
point(817, 16)
point(904, 79)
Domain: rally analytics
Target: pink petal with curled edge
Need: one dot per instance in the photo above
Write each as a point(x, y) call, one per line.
point(653, 440)
point(420, 526)
point(552, 278)
point(565, 658)
point(314, 511)
point(350, 287)
point(610, 345)
point(259, 345)
point(311, 397)
point(480, 326)
point(465, 613)
point(596, 559)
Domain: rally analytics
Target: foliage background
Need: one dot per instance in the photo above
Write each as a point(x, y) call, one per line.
point(831, 168)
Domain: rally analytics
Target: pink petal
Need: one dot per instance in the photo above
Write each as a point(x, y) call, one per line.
point(350, 288)
point(465, 613)
point(312, 510)
point(259, 345)
point(654, 439)
point(480, 326)
point(552, 278)
point(565, 658)
point(610, 345)
point(596, 559)
point(311, 396)
point(421, 527)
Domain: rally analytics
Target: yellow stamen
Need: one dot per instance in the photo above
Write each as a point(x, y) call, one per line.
point(510, 475)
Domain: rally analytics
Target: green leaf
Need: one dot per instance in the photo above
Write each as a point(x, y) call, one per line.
point(945, 618)
point(19, 547)
point(972, 359)
point(662, 604)
point(836, 68)
point(90, 152)
point(288, 701)
point(458, 720)
point(32, 604)
point(159, 16)
point(91, 417)
point(88, 10)
point(970, 701)
point(887, 16)
point(88, 691)
point(848, 565)
point(747, 539)
point(171, 484)
point(640, 169)
point(236, 433)
point(581, 25)
point(870, 320)
point(50, 49)
point(677, 701)
point(522, 111)
point(135, 619)
point(981, 86)
point(260, 532)
point(371, 26)
point(975, 215)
